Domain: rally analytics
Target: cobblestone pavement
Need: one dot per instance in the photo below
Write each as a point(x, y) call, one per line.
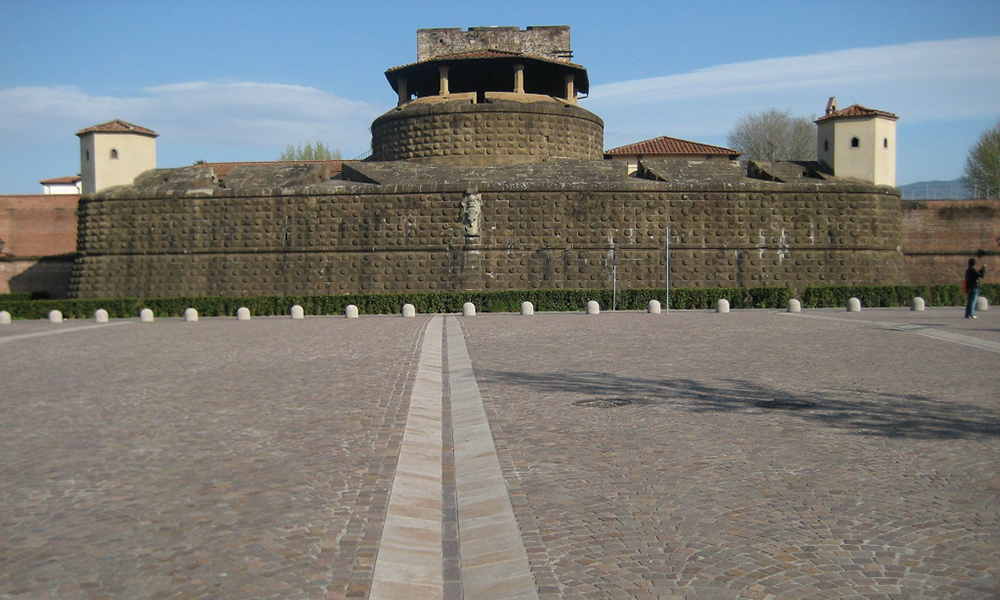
point(760, 455)
point(216, 459)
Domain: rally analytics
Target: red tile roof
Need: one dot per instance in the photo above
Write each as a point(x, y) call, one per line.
point(856, 110)
point(67, 179)
point(225, 168)
point(664, 145)
point(118, 126)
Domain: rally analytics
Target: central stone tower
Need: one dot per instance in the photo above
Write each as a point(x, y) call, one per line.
point(489, 96)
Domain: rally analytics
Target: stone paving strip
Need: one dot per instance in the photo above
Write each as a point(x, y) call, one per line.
point(411, 557)
point(28, 336)
point(920, 329)
point(494, 561)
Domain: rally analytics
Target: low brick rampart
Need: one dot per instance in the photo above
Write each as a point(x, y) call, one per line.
point(941, 235)
point(39, 243)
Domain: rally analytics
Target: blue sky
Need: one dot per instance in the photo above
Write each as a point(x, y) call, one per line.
point(227, 80)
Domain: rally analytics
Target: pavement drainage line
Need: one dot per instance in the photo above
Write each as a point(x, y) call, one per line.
point(25, 336)
point(410, 559)
point(947, 336)
point(449, 514)
point(493, 558)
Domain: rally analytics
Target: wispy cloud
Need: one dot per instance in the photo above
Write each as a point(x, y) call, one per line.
point(974, 60)
point(923, 81)
point(241, 114)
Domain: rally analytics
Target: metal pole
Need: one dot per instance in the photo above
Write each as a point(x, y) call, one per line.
point(614, 277)
point(667, 251)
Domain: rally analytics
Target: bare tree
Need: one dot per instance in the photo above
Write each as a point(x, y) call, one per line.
point(982, 167)
point(317, 151)
point(772, 135)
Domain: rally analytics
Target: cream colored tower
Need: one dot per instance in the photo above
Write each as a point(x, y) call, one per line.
point(113, 153)
point(858, 143)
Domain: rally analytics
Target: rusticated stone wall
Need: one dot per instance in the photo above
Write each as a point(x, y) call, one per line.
point(398, 238)
point(496, 132)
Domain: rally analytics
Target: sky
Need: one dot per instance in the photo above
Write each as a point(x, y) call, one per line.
point(226, 80)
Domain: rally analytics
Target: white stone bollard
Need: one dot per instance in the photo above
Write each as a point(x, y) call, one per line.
point(593, 308)
point(722, 306)
point(351, 312)
point(653, 307)
point(854, 305)
point(4, 317)
point(297, 312)
point(794, 305)
point(146, 315)
point(242, 314)
point(982, 303)
point(527, 309)
point(101, 315)
point(55, 316)
point(917, 303)
point(468, 309)
point(191, 315)
point(409, 310)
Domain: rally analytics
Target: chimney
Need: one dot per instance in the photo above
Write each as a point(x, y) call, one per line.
point(831, 105)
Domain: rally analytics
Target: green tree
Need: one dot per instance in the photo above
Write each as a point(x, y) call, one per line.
point(317, 151)
point(982, 167)
point(773, 134)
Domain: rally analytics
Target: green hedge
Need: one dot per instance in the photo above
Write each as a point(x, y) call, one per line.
point(505, 301)
point(877, 296)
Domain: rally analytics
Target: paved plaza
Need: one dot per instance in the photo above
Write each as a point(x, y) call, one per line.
point(755, 454)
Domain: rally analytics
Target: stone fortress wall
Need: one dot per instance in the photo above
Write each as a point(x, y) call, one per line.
point(503, 130)
point(412, 237)
point(486, 176)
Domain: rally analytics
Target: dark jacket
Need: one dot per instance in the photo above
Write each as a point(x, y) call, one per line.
point(973, 276)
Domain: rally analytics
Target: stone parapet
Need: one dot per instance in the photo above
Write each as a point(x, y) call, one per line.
point(498, 131)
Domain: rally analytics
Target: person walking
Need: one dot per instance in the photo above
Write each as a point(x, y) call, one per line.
point(972, 277)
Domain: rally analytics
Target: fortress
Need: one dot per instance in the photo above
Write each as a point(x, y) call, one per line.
point(488, 175)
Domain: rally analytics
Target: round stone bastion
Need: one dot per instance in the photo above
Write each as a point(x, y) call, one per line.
point(503, 129)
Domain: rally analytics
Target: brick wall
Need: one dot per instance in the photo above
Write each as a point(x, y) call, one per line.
point(941, 235)
point(39, 234)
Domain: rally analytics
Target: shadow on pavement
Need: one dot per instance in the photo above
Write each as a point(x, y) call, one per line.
point(864, 412)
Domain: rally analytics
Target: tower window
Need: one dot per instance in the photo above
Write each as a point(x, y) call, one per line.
point(86, 155)
point(855, 142)
point(114, 153)
point(826, 145)
point(885, 143)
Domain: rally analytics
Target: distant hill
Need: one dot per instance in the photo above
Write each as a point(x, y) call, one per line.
point(935, 190)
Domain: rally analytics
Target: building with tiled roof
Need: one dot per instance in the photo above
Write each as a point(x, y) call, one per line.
point(854, 110)
point(858, 143)
point(668, 147)
point(117, 126)
point(71, 184)
point(114, 153)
